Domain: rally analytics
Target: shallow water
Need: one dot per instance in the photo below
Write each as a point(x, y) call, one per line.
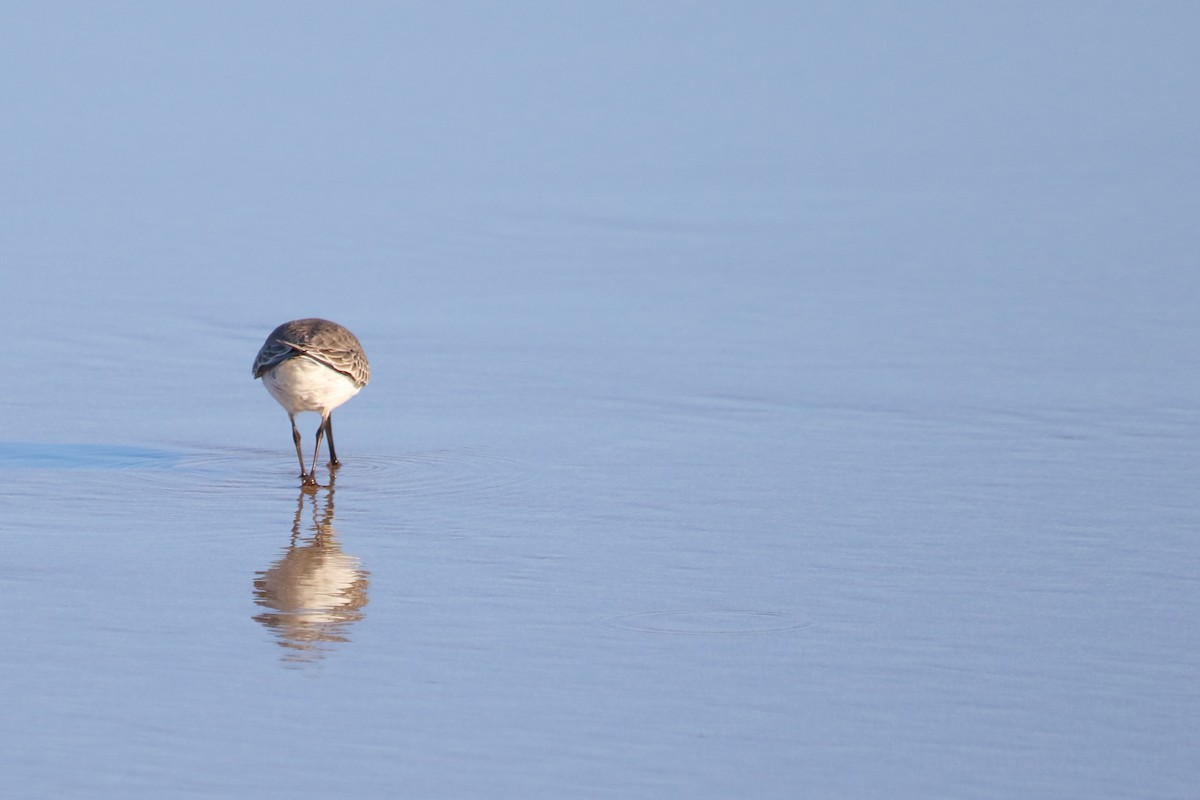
point(758, 449)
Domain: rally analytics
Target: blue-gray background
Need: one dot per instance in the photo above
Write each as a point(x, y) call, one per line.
point(770, 400)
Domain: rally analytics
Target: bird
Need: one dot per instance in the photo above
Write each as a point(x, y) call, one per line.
point(312, 365)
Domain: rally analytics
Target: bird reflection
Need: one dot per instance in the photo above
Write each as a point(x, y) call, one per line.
point(314, 593)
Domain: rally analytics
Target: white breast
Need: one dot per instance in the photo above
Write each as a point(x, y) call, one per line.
point(301, 384)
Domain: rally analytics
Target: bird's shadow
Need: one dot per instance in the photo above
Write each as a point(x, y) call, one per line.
point(315, 592)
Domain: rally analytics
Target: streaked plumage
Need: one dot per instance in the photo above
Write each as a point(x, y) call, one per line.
point(312, 365)
point(321, 340)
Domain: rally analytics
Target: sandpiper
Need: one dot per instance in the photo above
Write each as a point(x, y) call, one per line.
point(312, 365)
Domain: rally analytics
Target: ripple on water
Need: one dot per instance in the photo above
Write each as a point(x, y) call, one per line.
point(458, 472)
point(723, 622)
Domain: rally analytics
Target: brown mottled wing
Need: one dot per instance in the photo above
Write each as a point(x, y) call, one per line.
point(321, 340)
point(350, 362)
point(272, 354)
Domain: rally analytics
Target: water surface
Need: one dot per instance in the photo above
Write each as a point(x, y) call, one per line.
point(782, 403)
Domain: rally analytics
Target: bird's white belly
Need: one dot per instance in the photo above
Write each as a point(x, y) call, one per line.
point(301, 384)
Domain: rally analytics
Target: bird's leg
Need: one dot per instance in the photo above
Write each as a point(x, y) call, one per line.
point(312, 476)
point(333, 459)
point(296, 439)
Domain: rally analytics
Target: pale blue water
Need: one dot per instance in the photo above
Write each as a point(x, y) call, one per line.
point(774, 401)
